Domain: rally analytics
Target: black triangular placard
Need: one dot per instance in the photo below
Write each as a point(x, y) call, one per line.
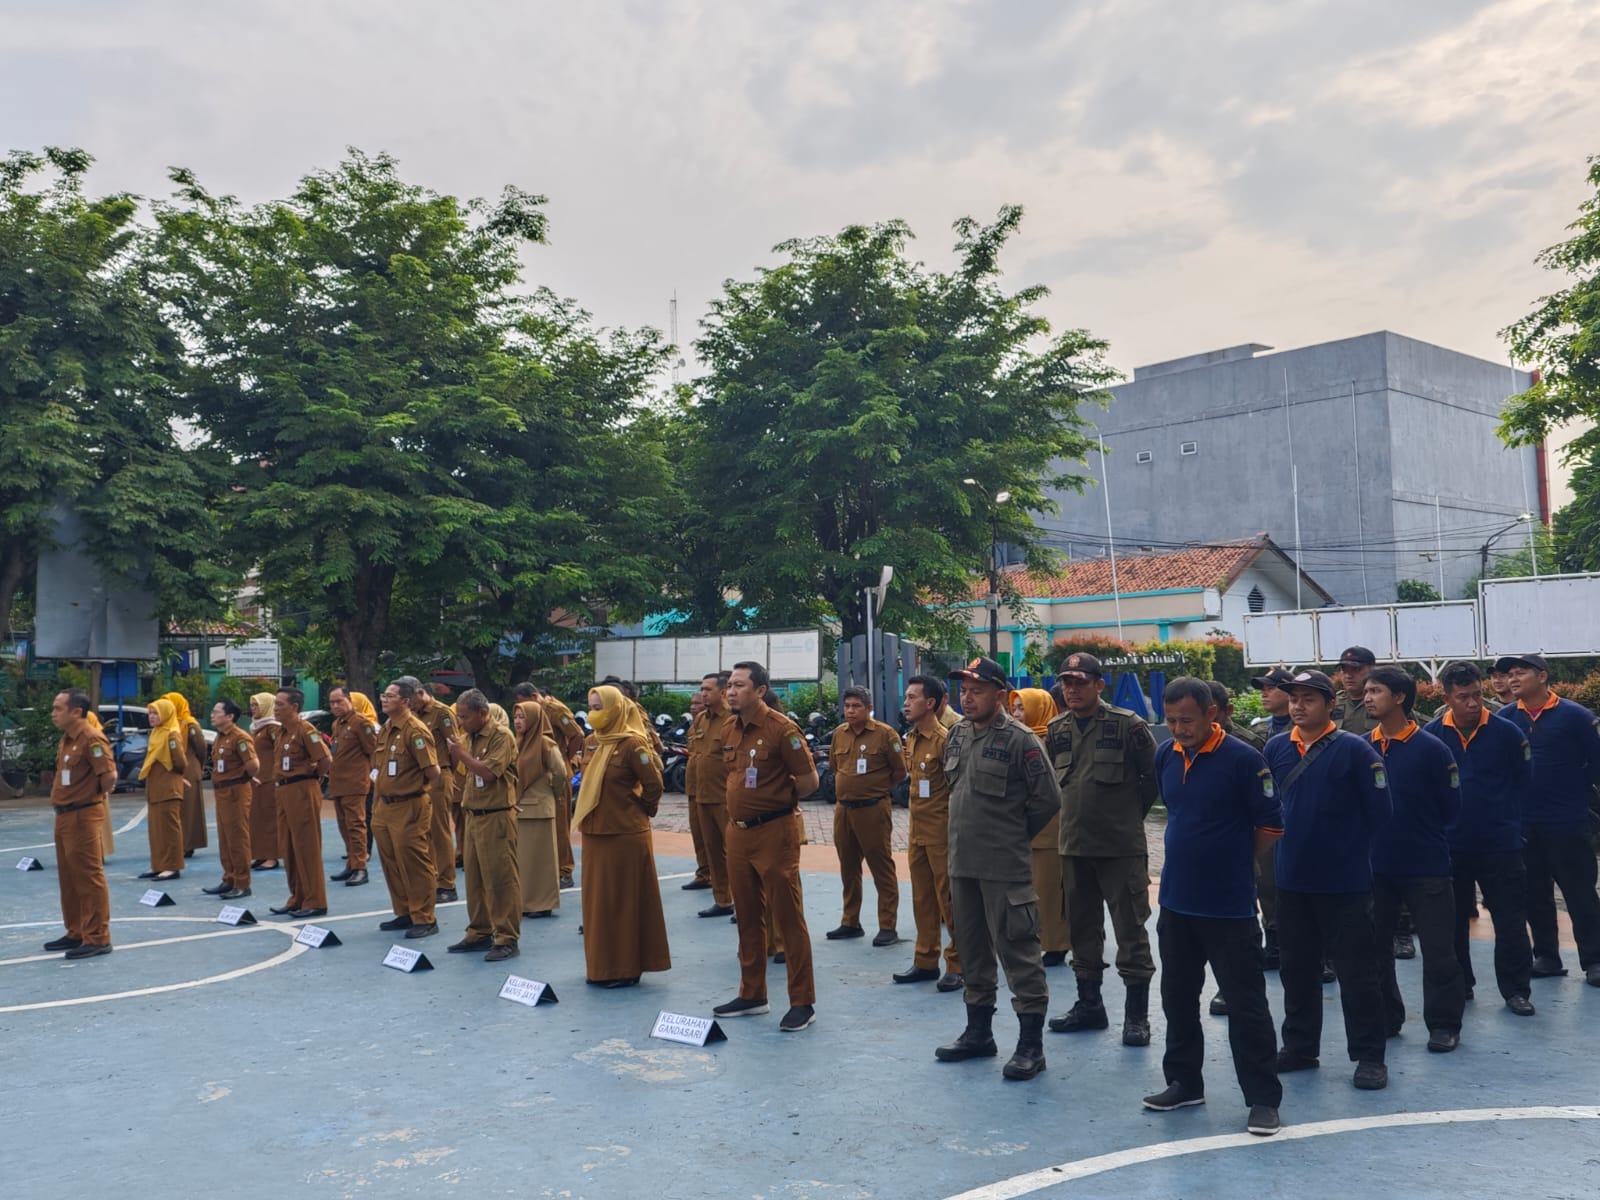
point(33, 865)
point(422, 964)
point(548, 996)
point(715, 1034)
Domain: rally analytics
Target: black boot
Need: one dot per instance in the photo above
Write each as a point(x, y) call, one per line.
point(1088, 1013)
point(1269, 955)
point(1028, 1061)
point(1136, 1015)
point(976, 1040)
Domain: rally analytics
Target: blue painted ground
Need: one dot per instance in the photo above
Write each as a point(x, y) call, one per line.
point(322, 1074)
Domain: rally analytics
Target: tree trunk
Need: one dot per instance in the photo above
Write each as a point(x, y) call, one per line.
point(361, 631)
point(481, 660)
point(15, 564)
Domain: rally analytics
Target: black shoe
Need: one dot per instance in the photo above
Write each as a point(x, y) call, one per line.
point(950, 982)
point(1371, 1077)
point(543, 912)
point(976, 1040)
point(341, 876)
point(466, 947)
point(501, 952)
point(1405, 945)
point(717, 910)
point(799, 1016)
point(422, 931)
point(1442, 1041)
point(148, 874)
point(1591, 974)
point(609, 984)
point(697, 885)
point(219, 889)
point(886, 937)
point(357, 877)
point(1545, 966)
point(565, 882)
point(281, 911)
point(1288, 1061)
point(780, 959)
point(1175, 1096)
point(846, 931)
point(916, 975)
point(1392, 1031)
point(89, 950)
point(1219, 1006)
point(255, 863)
point(1520, 1005)
point(167, 876)
point(394, 923)
point(1055, 958)
point(302, 914)
point(234, 894)
point(64, 943)
point(188, 853)
point(1263, 1120)
point(741, 1008)
point(1088, 1013)
point(445, 896)
point(1028, 1058)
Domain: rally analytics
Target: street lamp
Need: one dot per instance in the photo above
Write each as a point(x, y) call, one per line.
point(992, 600)
point(1483, 550)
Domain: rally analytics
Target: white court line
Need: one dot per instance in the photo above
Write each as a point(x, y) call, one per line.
point(144, 811)
point(1038, 1181)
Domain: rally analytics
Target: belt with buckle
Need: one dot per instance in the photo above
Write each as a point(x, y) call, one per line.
point(855, 804)
point(401, 799)
point(296, 778)
point(765, 817)
point(483, 812)
point(66, 808)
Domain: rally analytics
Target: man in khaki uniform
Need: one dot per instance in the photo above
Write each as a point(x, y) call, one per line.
point(303, 761)
point(489, 801)
point(403, 768)
point(1104, 759)
point(349, 780)
point(234, 768)
point(867, 761)
point(702, 867)
point(1001, 794)
point(440, 722)
point(707, 785)
point(80, 794)
point(930, 823)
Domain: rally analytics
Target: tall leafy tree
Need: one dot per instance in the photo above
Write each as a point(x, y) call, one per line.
point(86, 403)
point(851, 391)
point(347, 360)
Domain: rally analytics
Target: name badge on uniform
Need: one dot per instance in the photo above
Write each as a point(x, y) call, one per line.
point(393, 768)
point(922, 790)
point(222, 764)
point(477, 781)
point(66, 779)
point(285, 762)
point(861, 762)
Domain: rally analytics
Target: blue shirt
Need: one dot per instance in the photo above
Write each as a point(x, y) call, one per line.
point(1331, 814)
point(1215, 803)
point(1566, 762)
point(1426, 797)
point(1495, 764)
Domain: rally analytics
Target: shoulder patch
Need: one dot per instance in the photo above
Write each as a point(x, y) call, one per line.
point(1268, 788)
point(417, 742)
point(1455, 776)
point(96, 752)
point(644, 756)
point(314, 737)
point(1527, 750)
point(794, 741)
point(1033, 761)
point(1380, 777)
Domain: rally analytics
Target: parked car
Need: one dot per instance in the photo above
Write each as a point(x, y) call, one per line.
point(129, 736)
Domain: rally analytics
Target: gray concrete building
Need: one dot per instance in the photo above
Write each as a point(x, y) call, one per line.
point(1389, 442)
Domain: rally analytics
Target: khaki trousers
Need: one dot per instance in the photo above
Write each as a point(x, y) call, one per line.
point(763, 869)
point(702, 866)
point(1122, 886)
point(864, 833)
point(999, 919)
point(564, 859)
point(81, 873)
point(442, 844)
point(233, 831)
point(709, 824)
point(494, 886)
point(300, 840)
point(930, 902)
point(402, 831)
point(351, 814)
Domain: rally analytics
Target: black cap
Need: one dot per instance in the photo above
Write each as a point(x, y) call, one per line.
point(1359, 654)
point(983, 670)
point(1313, 679)
point(1278, 677)
point(1086, 665)
point(1534, 662)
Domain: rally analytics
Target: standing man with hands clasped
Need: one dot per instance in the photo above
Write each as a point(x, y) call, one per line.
point(1222, 812)
point(867, 761)
point(80, 794)
point(303, 761)
point(706, 781)
point(1001, 794)
point(489, 853)
point(928, 855)
point(404, 767)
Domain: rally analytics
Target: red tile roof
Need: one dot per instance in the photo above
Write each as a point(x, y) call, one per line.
point(1214, 565)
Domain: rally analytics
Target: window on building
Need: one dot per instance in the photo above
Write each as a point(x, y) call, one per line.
point(1144, 456)
point(1258, 602)
point(1188, 447)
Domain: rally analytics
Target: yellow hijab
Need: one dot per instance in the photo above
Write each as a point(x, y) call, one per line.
point(93, 721)
point(1038, 708)
point(180, 705)
point(615, 720)
point(363, 707)
point(498, 715)
point(261, 710)
point(163, 729)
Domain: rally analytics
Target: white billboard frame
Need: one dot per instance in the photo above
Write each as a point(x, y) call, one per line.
point(790, 655)
point(1557, 616)
point(1393, 632)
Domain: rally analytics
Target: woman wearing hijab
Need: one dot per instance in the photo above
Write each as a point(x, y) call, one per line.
point(108, 841)
point(264, 731)
point(625, 930)
point(1035, 708)
point(164, 773)
point(539, 771)
point(354, 741)
point(194, 798)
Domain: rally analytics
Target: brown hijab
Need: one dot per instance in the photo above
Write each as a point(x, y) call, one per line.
point(531, 741)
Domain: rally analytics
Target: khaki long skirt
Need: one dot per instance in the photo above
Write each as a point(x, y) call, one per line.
point(1054, 933)
point(536, 864)
point(624, 926)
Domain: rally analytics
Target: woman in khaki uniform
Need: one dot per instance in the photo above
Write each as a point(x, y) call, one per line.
point(108, 840)
point(539, 771)
point(264, 731)
point(194, 798)
point(165, 766)
point(1035, 708)
point(625, 930)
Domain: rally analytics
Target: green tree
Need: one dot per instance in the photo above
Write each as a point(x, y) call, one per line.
point(347, 362)
point(850, 393)
point(1415, 591)
point(86, 406)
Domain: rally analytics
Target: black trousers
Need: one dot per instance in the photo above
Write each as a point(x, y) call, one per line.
point(1233, 948)
point(1431, 902)
point(1504, 881)
point(1566, 859)
point(1312, 926)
